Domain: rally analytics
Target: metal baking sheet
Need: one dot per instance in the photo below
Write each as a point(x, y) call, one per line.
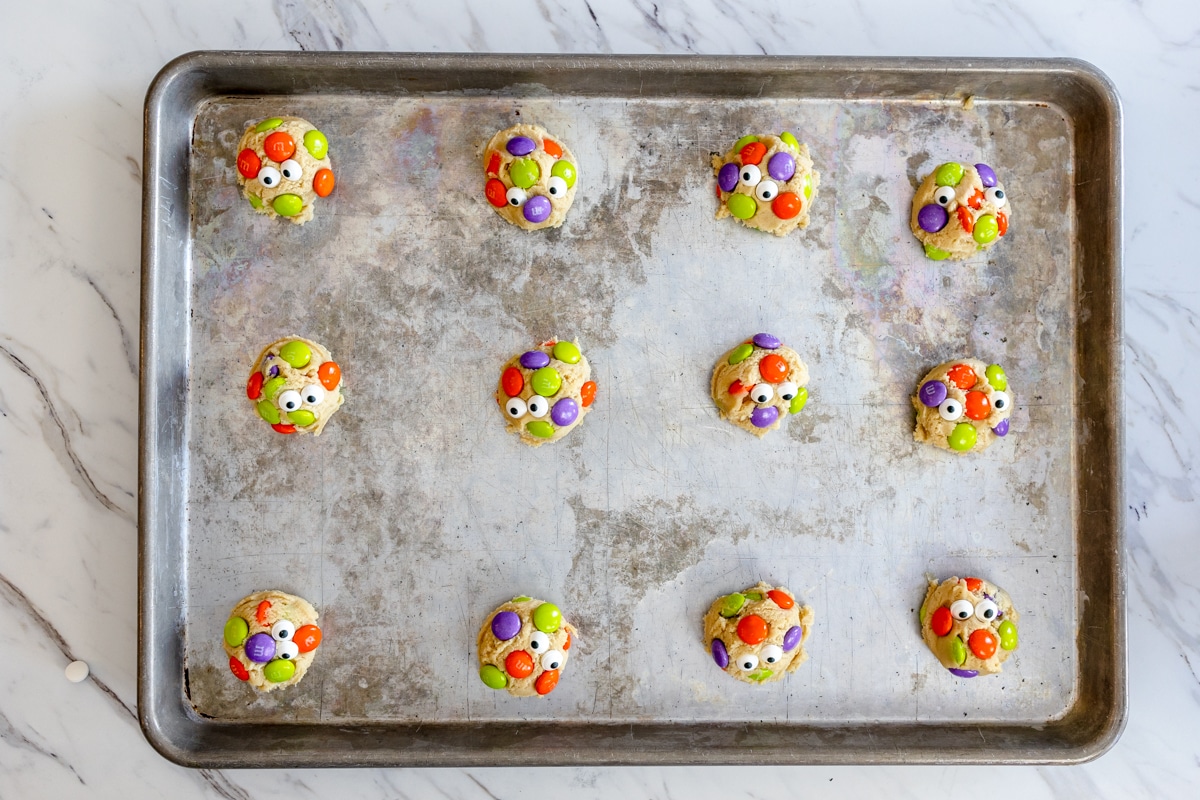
point(414, 514)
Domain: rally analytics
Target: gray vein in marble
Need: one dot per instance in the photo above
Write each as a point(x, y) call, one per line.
point(14, 738)
point(78, 471)
point(126, 342)
point(329, 25)
point(221, 784)
point(480, 784)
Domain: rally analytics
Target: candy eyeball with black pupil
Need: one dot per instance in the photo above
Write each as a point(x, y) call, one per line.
point(772, 654)
point(287, 650)
point(762, 393)
point(748, 662)
point(268, 177)
point(552, 660)
point(1000, 401)
point(515, 407)
point(750, 175)
point(283, 630)
point(995, 196)
point(986, 610)
point(516, 196)
point(557, 187)
point(787, 390)
point(950, 409)
point(766, 190)
point(291, 169)
point(961, 609)
point(539, 642)
point(538, 406)
point(289, 400)
point(943, 195)
point(312, 394)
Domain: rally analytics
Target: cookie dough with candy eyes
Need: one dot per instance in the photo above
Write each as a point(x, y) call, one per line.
point(757, 635)
point(545, 392)
point(959, 210)
point(758, 383)
point(523, 647)
point(766, 182)
point(283, 167)
point(530, 177)
point(963, 405)
point(271, 639)
point(295, 386)
point(970, 625)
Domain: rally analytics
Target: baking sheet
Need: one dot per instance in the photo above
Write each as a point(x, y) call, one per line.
point(414, 514)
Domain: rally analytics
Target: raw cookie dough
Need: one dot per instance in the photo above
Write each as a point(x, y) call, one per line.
point(767, 182)
point(963, 405)
point(295, 386)
point(523, 647)
point(283, 166)
point(758, 383)
point(958, 210)
point(969, 624)
point(757, 634)
point(545, 392)
point(271, 639)
point(530, 177)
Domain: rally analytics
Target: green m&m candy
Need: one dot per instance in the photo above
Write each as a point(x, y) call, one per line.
point(732, 604)
point(302, 417)
point(740, 353)
point(492, 677)
point(799, 401)
point(567, 352)
point(962, 438)
point(997, 377)
point(296, 353)
point(546, 381)
point(547, 618)
point(565, 170)
point(279, 670)
point(540, 428)
point(236, 630)
point(986, 229)
point(524, 172)
point(316, 144)
point(949, 174)
point(268, 411)
point(936, 253)
point(268, 124)
point(958, 650)
point(272, 387)
point(288, 205)
point(742, 206)
point(1008, 635)
point(255, 200)
point(789, 140)
point(745, 140)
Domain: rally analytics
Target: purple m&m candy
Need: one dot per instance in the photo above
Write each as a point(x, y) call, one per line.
point(964, 673)
point(1001, 429)
point(792, 638)
point(764, 416)
point(987, 175)
point(260, 648)
point(766, 340)
point(932, 393)
point(534, 359)
point(932, 218)
point(521, 145)
point(506, 625)
point(727, 178)
point(564, 412)
point(537, 209)
point(781, 167)
point(720, 654)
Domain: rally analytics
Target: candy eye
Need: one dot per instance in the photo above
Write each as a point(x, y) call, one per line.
point(750, 175)
point(1000, 401)
point(289, 400)
point(762, 393)
point(747, 663)
point(986, 610)
point(268, 177)
point(515, 407)
point(287, 650)
point(557, 187)
point(538, 406)
point(516, 196)
point(943, 195)
point(950, 409)
point(539, 642)
point(787, 390)
point(961, 609)
point(772, 654)
point(766, 191)
point(552, 660)
point(282, 630)
point(291, 169)
point(312, 394)
point(995, 196)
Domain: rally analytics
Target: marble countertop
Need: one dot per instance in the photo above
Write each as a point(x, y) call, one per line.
point(71, 99)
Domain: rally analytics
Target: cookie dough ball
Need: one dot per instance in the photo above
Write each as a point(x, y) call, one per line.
point(283, 167)
point(970, 625)
point(756, 635)
point(295, 386)
point(544, 393)
point(530, 177)
point(271, 639)
point(758, 383)
point(959, 210)
point(767, 182)
point(523, 647)
point(963, 405)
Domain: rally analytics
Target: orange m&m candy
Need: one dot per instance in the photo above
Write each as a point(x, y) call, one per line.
point(307, 637)
point(329, 374)
point(279, 146)
point(786, 205)
point(587, 393)
point(513, 381)
point(519, 664)
point(773, 368)
point(546, 682)
point(248, 163)
point(782, 599)
point(941, 621)
point(254, 386)
point(962, 376)
point(493, 167)
point(323, 182)
point(238, 669)
point(260, 613)
point(978, 406)
point(552, 148)
point(1002, 223)
point(982, 643)
point(973, 584)
point(753, 629)
point(753, 153)
point(497, 195)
